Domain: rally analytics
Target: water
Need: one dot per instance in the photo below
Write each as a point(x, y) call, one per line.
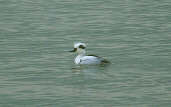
point(36, 70)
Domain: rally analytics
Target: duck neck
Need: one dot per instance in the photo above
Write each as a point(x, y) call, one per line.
point(80, 55)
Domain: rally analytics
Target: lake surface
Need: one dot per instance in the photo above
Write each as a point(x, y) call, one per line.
point(36, 70)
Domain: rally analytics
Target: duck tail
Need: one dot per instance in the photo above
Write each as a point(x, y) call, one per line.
point(104, 61)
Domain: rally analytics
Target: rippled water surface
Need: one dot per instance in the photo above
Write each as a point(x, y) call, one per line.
point(36, 70)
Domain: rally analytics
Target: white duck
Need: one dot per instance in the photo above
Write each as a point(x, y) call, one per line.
point(82, 58)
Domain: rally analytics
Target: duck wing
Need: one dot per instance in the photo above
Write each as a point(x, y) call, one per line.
point(103, 61)
point(93, 59)
point(90, 60)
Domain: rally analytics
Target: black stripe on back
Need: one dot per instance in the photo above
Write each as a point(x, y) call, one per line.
point(94, 55)
point(103, 60)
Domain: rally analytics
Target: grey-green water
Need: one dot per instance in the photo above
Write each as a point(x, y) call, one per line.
point(36, 70)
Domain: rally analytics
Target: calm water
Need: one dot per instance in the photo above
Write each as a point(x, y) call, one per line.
point(36, 70)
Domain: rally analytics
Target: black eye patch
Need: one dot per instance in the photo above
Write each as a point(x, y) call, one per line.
point(82, 47)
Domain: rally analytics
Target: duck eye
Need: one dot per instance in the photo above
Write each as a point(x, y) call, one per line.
point(82, 47)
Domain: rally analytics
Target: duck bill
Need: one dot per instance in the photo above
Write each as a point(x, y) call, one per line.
point(74, 50)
